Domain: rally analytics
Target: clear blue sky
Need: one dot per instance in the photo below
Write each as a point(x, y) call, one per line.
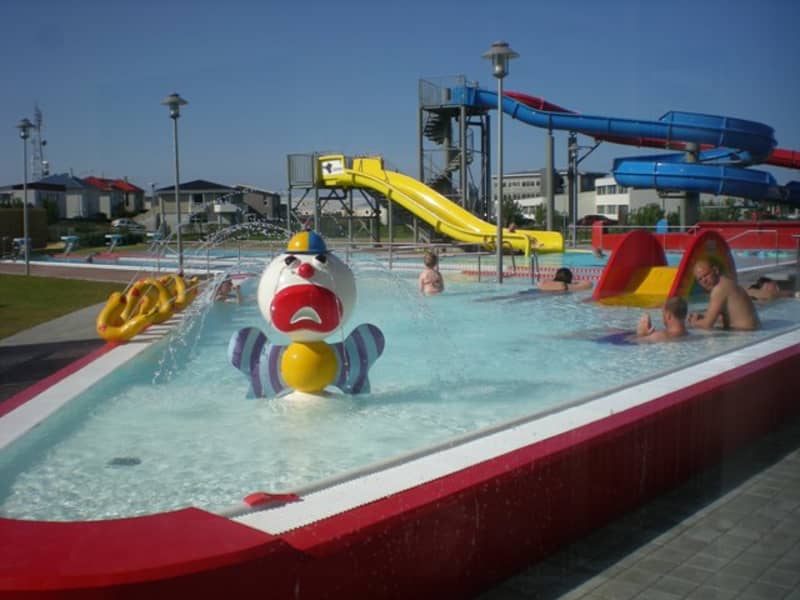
point(267, 78)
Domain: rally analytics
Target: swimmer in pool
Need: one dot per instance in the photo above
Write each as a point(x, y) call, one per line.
point(673, 314)
point(562, 282)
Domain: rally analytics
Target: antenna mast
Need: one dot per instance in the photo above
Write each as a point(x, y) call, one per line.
point(41, 167)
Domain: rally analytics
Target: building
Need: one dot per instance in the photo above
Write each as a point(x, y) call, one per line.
point(616, 201)
point(598, 194)
point(197, 199)
point(118, 195)
point(75, 198)
point(39, 194)
point(527, 189)
point(264, 203)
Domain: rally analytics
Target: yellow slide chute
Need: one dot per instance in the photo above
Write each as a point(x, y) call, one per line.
point(443, 215)
point(147, 301)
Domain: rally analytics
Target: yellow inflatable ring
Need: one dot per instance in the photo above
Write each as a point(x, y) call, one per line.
point(112, 327)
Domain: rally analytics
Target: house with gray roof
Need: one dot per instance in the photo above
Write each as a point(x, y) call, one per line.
point(75, 201)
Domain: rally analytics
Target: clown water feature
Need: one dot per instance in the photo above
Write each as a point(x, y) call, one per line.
point(306, 293)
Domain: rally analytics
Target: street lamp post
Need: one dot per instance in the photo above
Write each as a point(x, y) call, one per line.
point(500, 53)
point(174, 102)
point(572, 183)
point(25, 127)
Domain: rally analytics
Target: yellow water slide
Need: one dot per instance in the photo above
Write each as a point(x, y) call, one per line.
point(445, 216)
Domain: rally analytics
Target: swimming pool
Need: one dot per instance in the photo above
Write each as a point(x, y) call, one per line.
point(173, 428)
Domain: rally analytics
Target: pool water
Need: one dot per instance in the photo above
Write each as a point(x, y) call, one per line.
point(174, 426)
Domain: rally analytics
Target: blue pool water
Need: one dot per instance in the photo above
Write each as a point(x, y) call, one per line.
point(173, 427)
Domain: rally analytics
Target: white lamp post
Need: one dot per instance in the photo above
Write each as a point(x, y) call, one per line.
point(25, 127)
point(500, 53)
point(174, 102)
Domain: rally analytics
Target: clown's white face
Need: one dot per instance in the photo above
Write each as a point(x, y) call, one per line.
point(307, 296)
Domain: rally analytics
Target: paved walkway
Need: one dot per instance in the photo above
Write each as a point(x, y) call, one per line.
point(731, 532)
point(32, 355)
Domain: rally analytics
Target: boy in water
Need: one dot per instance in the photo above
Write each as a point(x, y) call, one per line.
point(430, 280)
point(674, 316)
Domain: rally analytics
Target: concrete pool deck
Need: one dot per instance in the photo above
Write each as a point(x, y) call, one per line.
point(732, 531)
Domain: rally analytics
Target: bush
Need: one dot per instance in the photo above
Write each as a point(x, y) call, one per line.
point(92, 240)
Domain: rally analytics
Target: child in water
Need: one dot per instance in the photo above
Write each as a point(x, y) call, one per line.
point(431, 280)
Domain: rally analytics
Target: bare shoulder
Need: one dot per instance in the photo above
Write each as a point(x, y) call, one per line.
point(551, 286)
point(726, 285)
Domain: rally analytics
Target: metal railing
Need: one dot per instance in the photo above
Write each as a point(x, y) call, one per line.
point(759, 232)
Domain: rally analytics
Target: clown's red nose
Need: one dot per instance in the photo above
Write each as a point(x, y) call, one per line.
point(306, 271)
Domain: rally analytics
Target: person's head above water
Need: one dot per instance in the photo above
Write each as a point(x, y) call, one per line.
point(564, 275)
point(706, 274)
point(430, 260)
point(677, 307)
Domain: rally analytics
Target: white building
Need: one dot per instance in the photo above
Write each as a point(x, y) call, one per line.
point(598, 194)
point(527, 189)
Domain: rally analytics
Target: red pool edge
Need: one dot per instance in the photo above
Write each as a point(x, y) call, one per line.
point(452, 537)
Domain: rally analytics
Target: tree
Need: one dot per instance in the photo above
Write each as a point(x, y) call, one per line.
point(540, 214)
point(646, 216)
point(512, 213)
point(559, 219)
point(728, 211)
point(52, 211)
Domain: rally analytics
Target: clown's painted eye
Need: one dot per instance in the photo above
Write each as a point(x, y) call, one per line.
point(290, 260)
point(321, 259)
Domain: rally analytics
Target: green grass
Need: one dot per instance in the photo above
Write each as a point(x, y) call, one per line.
point(29, 301)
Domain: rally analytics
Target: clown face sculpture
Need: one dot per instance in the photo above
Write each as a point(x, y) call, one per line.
point(307, 294)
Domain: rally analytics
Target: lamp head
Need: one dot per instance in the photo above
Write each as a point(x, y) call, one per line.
point(174, 102)
point(25, 127)
point(500, 53)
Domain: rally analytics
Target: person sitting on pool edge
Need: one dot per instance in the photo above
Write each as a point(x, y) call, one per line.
point(673, 314)
point(562, 282)
point(727, 299)
point(767, 289)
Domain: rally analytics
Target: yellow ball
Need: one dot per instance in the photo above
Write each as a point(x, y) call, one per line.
point(308, 366)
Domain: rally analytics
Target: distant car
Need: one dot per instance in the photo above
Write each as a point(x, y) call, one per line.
point(199, 218)
point(128, 224)
point(590, 219)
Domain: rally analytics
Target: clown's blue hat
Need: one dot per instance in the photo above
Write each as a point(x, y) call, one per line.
point(307, 242)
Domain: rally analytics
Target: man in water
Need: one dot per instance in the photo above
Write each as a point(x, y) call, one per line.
point(727, 299)
point(766, 290)
point(674, 316)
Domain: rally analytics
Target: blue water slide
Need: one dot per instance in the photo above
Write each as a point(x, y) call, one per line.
point(737, 142)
